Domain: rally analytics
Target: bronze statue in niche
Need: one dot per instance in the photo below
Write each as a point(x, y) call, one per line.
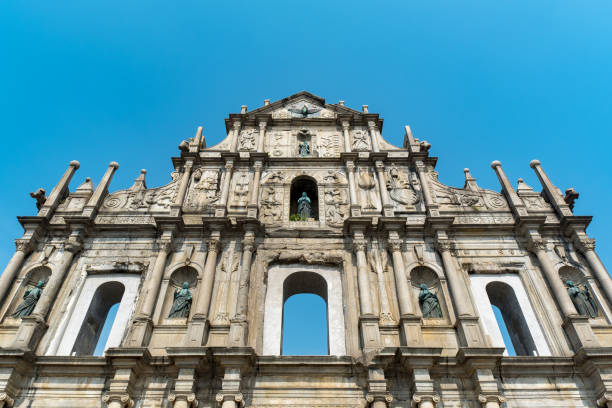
point(582, 299)
point(429, 302)
point(182, 302)
point(30, 298)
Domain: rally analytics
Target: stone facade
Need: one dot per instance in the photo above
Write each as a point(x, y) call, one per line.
point(409, 269)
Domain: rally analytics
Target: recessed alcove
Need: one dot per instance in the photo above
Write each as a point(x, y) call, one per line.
point(304, 184)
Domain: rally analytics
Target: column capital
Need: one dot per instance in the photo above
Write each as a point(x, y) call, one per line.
point(213, 244)
point(248, 243)
point(346, 124)
point(73, 245)
point(229, 164)
point(190, 398)
point(359, 245)
point(165, 245)
point(535, 244)
point(584, 244)
point(395, 245)
point(124, 399)
point(444, 245)
point(372, 124)
point(25, 245)
point(417, 399)
point(379, 396)
point(237, 124)
point(236, 397)
point(263, 123)
point(6, 400)
point(485, 399)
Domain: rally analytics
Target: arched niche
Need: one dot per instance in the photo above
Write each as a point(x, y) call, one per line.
point(31, 278)
point(177, 278)
point(503, 297)
point(422, 275)
point(287, 280)
point(506, 292)
point(308, 185)
point(88, 313)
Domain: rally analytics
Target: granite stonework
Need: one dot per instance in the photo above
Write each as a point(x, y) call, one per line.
point(379, 229)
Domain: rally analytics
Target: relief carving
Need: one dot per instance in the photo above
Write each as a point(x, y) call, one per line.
point(247, 139)
point(205, 192)
point(361, 141)
point(329, 145)
point(139, 198)
point(367, 184)
point(336, 208)
point(400, 188)
point(241, 189)
point(271, 208)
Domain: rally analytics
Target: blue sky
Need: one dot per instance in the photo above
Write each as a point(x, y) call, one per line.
point(480, 80)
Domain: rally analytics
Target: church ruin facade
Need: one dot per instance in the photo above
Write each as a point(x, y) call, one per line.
point(420, 280)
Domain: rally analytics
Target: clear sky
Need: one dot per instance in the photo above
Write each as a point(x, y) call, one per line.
point(99, 81)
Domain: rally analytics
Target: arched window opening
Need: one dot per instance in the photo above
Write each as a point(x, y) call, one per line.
point(106, 296)
point(299, 186)
point(305, 328)
point(503, 297)
point(504, 331)
point(108, 324)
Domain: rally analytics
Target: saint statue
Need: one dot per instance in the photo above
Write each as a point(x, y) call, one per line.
point(182, 302)
point(304, 208)
point(430, 305)
point(582, 299)
point(30, 298)
point(304, 149)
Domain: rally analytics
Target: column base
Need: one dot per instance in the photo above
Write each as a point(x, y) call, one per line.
point(197, 331)
point(388, 210)
point(140, 333)
point(220, 211)
point(412, 334)
point(30, 332)
point(238, 333)
point(355, 210)
point(579, 331)
point(251, 211)
point(470, 334)
point(370, 333)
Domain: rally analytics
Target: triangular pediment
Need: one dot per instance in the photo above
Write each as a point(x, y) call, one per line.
point(303, 105)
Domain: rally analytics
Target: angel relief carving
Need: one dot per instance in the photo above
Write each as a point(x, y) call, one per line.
point(139, 198)
point(271, 208)
point(205, 191)
point(247, 139)
point(329, 145)
point(336, 207)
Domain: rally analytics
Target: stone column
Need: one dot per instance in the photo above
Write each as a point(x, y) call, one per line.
point(262, 135)
point(470, 333)
point(199, 322)
point(368, 321)
point(432, 207)
point(587, 247)
point(238, 326)
point(91, 208)
point(32, 327)
point(252, 207)
point(553, 194)
point(58, 191)
point(516, 204)
point(235, 135)
point(347, 139)
point(152, 284)
point(373, 135)
point(177, 205)
point(24, 247)
point(538, 246)
point(355, 206)
point(410, 322)
point(221, 208)
point(384, 194)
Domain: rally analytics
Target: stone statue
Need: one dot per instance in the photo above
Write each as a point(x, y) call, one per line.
point(30, 298)
point(430, 305)
point(304, 149)
point(582, 299)
point(304, 208)
point(182, 302)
